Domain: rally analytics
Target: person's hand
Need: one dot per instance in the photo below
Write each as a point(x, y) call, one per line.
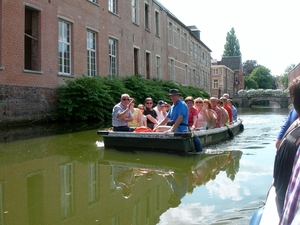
point(130, 102)
point(168, 131)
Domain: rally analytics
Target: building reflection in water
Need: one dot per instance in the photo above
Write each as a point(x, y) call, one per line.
point(100, 186)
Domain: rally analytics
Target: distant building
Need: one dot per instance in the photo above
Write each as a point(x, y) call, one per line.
point(221, 80)
point(44, 43)
point(227, 76)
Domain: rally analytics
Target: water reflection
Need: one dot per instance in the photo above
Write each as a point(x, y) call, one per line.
point(48, 183)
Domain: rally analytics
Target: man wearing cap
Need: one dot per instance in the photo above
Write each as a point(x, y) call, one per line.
point(178, 114)
point(160, 109)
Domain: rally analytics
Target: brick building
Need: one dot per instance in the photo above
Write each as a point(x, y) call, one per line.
point(45, 42)
point(227, 76)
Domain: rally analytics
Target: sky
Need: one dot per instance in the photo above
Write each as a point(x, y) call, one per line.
point(268, 30)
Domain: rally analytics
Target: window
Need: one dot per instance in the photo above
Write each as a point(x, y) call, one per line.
point(148, 65)
point(112, 57)
point(91, 53)
point(193, 50)
point(64, 48)
point(170, 33)
point(156, 23)
point(194, 77)
point(199, 54)
point(172, 70)
point(178, 38)
point(135, 11)
point(186, 75)
point(112, 6)
point(31, 40)
point(215, 84)
point(136, 61)
point(66, 190)
point(158, 73)
point(147, 19)
point(185, 43)
point(215, 71)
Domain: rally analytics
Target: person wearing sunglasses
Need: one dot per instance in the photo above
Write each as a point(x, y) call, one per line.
point(121, 114)
point(150, 113)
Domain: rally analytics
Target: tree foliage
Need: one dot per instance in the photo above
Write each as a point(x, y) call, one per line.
point(262, 76)
point(250, 83)
point(249, 66)
point(232, 46)
point(92, 98)
point(284, 78)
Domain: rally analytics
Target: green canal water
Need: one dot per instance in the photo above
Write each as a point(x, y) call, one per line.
point(63, 176)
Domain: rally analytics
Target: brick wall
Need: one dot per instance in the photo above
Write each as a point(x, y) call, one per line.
point(20, 104)
point(83, 15)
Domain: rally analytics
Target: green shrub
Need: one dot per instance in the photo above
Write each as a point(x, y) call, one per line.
point(92, 98)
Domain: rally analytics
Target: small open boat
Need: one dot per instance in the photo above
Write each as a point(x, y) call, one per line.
point(268, 213)
point(172, 142)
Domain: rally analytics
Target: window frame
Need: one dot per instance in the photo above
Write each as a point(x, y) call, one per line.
point(171, 33)
point(158, 67)
point(147, 16)
point(91, 53)
point(32, 53)
point(135, 11)
point(113, 56)
point(157, 23)
point(67, 43)
point(112, 6)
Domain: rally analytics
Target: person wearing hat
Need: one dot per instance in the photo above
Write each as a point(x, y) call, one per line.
point(160, 110)
point(177, 115)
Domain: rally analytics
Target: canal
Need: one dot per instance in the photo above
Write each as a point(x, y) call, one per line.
point(51, 178)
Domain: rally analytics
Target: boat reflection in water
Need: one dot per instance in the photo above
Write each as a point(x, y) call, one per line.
point(101, 186)
point(155, 184)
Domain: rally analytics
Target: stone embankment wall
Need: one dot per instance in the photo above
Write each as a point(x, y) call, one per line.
point(19, 104)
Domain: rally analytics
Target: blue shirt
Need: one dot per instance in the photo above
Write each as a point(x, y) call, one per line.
point(290, 119)
point(234, 113)
point(176, 110)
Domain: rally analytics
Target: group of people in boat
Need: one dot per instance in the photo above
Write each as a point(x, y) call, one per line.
point(182, 115)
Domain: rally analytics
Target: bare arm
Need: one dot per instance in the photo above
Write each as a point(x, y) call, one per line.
point(151, 118)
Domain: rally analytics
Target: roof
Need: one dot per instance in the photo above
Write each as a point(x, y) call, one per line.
point(171, 15)
point(232, 62)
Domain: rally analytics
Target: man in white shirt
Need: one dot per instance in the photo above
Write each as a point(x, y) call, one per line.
point(160, 109)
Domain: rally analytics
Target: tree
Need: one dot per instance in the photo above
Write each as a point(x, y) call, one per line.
point(262, 76)
point(232, 46)
point(250, 83)
point(284, 78)
point(249, 66)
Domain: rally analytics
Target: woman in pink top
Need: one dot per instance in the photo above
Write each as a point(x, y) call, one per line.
point(193, 113)
point(201, 123)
